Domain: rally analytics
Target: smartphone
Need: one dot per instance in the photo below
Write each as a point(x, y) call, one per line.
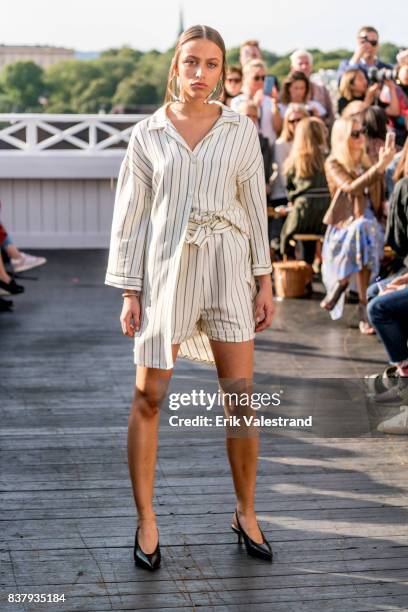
point(390, 139)
point(269, 84)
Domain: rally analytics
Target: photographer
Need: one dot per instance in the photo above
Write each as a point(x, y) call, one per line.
point(401, 77)
point(365, 55)
point(372, 87)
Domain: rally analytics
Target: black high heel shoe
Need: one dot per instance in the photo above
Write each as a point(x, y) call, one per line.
point(331, 299)
point(150, 561)
point(261, 551)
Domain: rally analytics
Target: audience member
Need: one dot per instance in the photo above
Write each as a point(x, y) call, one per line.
point(353, 242)
point(306, 185)
point(249, 50)
point(365, 55)
point(302, 61)
point(268, 112)
point(296, 88)
point(232, 84)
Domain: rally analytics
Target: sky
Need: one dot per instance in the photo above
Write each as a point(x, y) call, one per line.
point(279, 25)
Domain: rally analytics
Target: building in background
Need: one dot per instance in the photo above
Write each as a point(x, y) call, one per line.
point(42, 55)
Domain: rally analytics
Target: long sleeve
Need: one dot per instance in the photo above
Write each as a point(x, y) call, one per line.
point(252, 195)
point(131, 216)
point(396, 231)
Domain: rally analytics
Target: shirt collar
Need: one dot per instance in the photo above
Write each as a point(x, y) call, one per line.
point(159, 118)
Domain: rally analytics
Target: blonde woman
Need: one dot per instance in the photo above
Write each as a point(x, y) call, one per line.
point(270, 122)
point(306, 184)
point(353, 242)
point(282, 148)
point(189, 238)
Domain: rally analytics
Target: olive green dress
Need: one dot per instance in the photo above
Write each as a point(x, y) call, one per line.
point(310, 198)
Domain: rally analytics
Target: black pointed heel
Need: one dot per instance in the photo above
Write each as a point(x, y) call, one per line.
point(150, 561)
point(261, 551)
point(331, 299)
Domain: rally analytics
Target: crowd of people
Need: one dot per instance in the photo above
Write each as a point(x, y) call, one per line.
point(336, 169)
point(12, 262)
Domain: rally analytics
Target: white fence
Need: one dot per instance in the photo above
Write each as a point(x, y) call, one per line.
point(58, 175)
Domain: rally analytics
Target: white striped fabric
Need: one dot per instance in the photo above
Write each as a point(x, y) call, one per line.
point(163, 185)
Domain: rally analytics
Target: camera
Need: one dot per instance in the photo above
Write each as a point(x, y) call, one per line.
point(379, 75)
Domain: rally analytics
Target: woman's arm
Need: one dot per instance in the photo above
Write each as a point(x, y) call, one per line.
point(340, 178)
point(252, 195)
point(131, 217)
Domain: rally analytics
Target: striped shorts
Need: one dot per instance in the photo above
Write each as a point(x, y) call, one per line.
point(215, 287)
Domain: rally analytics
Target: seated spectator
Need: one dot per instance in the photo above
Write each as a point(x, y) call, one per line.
point(296, 88)
point(388, 306)
point(250, 109)
point(354, 109)
point(278, 195)
point(353, 242)
point(249, 50)
point(281, 150)
point(302, 61)
point(399, 121)
point(8, 285)
point(375, 125)
point(365, 55)
point(232, 84)
point(306, 185)
point(252, 89)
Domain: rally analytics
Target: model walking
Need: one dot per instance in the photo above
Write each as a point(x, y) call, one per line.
point(189, 236)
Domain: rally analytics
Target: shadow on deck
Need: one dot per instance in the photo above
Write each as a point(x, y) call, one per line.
point(334, 506)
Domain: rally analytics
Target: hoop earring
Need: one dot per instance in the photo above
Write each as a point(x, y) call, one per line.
point(216, 92)
point(174, 89)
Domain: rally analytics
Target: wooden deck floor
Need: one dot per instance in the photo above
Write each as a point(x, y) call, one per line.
point(334, 508)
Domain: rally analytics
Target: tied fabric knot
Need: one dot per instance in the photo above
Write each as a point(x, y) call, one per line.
point(201, 228)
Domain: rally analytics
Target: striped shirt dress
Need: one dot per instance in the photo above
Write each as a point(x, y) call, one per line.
point(189, 231)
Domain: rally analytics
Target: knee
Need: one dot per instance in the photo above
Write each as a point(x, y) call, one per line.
point(377, 310)
point(146, 402)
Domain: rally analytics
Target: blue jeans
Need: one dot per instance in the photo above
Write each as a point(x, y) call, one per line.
point(388, 314)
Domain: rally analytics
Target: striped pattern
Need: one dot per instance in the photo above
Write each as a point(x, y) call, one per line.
point(164, 192)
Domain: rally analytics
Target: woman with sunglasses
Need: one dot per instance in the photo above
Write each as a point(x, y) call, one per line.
point(232, 84)
point(270, 121)
point(278, 194)
point(354, 239)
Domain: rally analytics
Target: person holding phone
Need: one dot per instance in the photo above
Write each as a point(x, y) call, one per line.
point(270, 121)
point(354, 239)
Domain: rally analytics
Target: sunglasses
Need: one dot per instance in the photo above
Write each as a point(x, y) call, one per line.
point(373, 43)
point(258, 77)
point(294, 120)
point(234, 79)
point(357, 133)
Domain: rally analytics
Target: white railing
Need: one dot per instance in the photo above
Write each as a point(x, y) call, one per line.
point(38, 133)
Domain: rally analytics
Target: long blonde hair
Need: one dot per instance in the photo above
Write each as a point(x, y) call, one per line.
point(347, 83)
point(287, 135)
point(340, 151)
point(306, 157)
point(192, 33)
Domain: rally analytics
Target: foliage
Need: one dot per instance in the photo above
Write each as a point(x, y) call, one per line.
point(122, 76)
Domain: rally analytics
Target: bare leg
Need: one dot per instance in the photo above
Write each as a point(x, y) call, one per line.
point(3, 274)
point(150, 389)
point(13, 251)
point(234, 361)
point(363, 279)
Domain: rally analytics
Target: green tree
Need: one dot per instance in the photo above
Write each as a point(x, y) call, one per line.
point(388, 52)
point(22, 84)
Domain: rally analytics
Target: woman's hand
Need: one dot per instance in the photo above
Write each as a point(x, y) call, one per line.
point(385, 156)
point(264, 307)
point(130, 315)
